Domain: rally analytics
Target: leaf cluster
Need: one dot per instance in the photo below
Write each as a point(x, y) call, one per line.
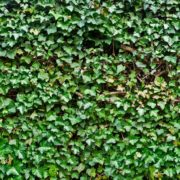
point(89, 89)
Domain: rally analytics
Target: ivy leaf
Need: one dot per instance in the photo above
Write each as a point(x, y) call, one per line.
point(74, 120)
point(11, 54)
point(171, 138)
point(161, 104)
point(12, 171)
point(168, 40)
point(140, 64)
point(80, 167)
point(43, 75)
point(51, 117)
point(52, 29)
point(151, 104)
point(91, 172)
point(171, 59)
point(141, 111)
point(120, 68)
point(169, 172)
point(70, 8)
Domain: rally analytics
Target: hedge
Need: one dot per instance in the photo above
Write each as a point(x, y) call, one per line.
point(89, 89)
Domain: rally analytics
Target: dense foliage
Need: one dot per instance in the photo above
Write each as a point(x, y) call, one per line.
point(89, 89)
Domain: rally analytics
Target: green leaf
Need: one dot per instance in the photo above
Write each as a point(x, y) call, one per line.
point(169, 172)
point(11, 54)
point(91, 172)
point(53, 170)
point(140, 64)
point(70, 8)
point(168, 40)
point(170, 138)
point(151, 104)
point(120, 68)
point(141, 111)
point(171, 59)
point(43, 75)
point(80, 167)
point(12, 171)
point(26, 59)
point(74, 120)
point(37, 173)
point(161, 104)
point(51, 29)
point(51, 117)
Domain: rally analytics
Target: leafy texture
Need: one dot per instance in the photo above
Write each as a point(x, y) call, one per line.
point(89, 89)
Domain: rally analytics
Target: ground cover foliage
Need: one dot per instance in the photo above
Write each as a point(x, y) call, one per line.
point(89, 89)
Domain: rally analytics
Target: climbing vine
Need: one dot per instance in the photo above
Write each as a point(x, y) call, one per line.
point(89, 89)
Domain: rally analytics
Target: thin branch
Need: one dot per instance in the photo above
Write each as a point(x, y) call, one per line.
point(116, 93)
point(79, 94)
point(105, 93)
point(122, 136)
point(127, 48)
point(176, 100)
point(161, 73)
point(113, 53)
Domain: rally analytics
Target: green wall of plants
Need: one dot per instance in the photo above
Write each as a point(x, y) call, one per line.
point(89, 89)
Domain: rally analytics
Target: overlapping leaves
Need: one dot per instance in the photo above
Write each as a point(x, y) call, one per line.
point(89, 89)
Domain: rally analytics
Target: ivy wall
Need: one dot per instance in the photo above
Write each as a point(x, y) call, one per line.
point(89, 89)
